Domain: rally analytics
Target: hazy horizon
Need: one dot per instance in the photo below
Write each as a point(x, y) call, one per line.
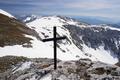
point(108, 9)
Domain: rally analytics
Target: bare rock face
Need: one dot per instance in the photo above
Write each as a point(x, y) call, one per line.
point(42, 69)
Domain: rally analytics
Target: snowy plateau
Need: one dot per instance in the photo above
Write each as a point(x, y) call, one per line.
point(89, 49)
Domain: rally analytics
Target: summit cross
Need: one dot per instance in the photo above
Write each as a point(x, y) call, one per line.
point(54, 39)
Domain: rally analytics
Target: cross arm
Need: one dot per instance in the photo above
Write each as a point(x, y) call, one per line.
point(49, 39)
point(52, 39)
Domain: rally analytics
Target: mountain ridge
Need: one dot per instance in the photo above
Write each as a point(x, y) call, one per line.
point(6, 13)
point(83, 40)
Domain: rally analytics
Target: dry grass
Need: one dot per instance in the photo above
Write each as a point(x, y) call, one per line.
point(12, 32)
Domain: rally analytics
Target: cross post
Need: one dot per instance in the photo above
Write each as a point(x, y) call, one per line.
point(54, 39)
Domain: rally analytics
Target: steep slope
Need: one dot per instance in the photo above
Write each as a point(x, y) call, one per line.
point(101, 42)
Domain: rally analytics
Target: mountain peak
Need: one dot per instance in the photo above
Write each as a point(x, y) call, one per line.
point(27, 18)
point(52, 21)
point(6, 13)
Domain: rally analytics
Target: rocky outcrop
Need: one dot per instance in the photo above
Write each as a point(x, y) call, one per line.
point(42, 69)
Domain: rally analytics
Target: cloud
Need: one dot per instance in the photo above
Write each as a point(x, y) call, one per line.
point(27, 1)
point(87, 5)
point(109, 8)
point(90, 4)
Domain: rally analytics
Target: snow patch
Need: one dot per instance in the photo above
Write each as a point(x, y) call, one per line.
point(24, 66)
point(101, 54)
point(47, 77)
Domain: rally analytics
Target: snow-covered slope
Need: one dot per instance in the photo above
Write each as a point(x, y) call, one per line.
point(81, 41)
point(6, 13)
point(44, 27)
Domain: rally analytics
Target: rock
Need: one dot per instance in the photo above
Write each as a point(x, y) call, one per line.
point(83, 69)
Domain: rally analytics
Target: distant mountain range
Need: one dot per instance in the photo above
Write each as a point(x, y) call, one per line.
point(94, 20)
point(98, 20)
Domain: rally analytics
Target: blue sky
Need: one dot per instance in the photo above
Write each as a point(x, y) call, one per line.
point(102, 8)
